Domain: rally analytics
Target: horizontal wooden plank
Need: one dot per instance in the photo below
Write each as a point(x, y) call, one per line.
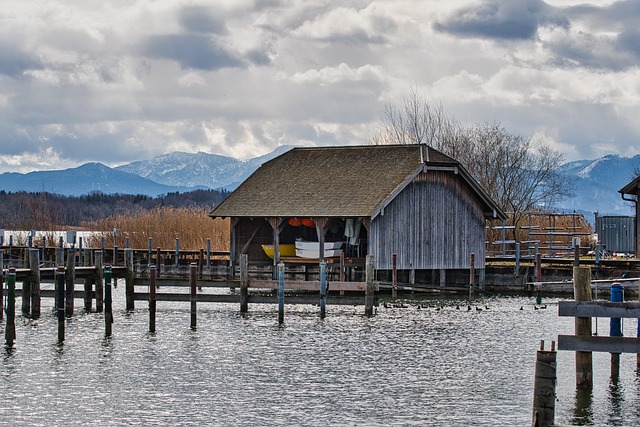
point(309, 285)
point(599, 309)
point(599, 344)
point(184, 283)
point(254, 299)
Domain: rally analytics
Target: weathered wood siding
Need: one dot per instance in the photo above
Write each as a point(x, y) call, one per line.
point(434, 223)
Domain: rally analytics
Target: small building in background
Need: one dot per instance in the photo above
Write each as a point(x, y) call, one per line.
point(633, 189)
point(408, 200)
point(616, 233)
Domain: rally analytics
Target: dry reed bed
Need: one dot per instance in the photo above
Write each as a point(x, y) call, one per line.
point(192, 226)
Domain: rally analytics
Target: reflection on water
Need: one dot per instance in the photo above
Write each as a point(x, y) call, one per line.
point(433, 363)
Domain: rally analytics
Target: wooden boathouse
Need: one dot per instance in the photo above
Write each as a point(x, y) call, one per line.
point(405, 204)
point(633, 189)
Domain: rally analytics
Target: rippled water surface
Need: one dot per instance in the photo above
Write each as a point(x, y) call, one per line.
point(404, 366)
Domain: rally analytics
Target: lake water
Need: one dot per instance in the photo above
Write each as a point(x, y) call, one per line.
point(403, 366)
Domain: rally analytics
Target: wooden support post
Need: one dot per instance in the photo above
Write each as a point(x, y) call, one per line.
point(115, 256)
point(177, 260)
point(517, 269)
point(544, 389)
point(394, 276)
point(576, 253)
point(10, 327)
point(108, 302)
point(472, 276)
point(149, 250)
point(341, 278)
point(88, 282)
point(281, 293)
point(1, 278)
point(99, 281)
point(26, 293)
point(538, 267)
point(323, 289)
point(193, 268)
point(200, 264)
point(59, 256)
point(128, 280)
point(208, 254)
point(34, 266)
point(152, 298)
point(244, 283)
point(582, 292)
point(158, 261)
point(370, 290)
point(615, 328)
point(71, 281)
point(60, 298)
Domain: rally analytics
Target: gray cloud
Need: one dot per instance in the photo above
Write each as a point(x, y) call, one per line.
point(200, 19)
point(194, 51)
point(497, 19)
point(15, 61)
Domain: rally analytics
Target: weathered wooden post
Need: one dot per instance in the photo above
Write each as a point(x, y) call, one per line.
point(394, 276)
point(59, 256)
point(200, 264)
point(244, 283)
point(576, 251)
point(193, 267)
point(281, 293)
point(370, 289)
point(615, 327)
point(99, 279)
point(88, 282)
point(60, 298)
point(208, 253)
point(26, 291)
point(115, 256)
point(34, 266)
point(472, 276)
point(128, 280)
point(10, 327)
point(341, 267)
point(71, 281)
point(152, 298)
point(149, 251)
point(582, 292)
point(1, 278)
point(158, 261)
point(544, 389)
point(323, 289)
point(108, 303)
point(177, 252)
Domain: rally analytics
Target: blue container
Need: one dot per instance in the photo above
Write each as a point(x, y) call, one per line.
point(617, 295)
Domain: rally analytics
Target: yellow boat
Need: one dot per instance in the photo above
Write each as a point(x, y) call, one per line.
point(285, 250)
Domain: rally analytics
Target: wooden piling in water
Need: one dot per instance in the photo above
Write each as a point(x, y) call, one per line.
point(10, 327)
point(394, 276)
point(26, 293)
point(544, 389)
point(128, 280)
point(60, 279)
point(582, 292)
point(370, 290)
point(71, 281)
point(99, 281)
point(193, 267)
point(158, 261)
point(108, 303)
point(244, 283)
point(152, 298)
point(88, 282)
point(281, 293)
point(538, 267)
point(34, 266)
point(472, 277)
point(323, 289)
point(1, 281)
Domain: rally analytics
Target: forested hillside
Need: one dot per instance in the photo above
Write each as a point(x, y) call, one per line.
point(46, 211)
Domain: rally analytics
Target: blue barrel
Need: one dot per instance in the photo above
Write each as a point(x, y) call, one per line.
point(617, 295)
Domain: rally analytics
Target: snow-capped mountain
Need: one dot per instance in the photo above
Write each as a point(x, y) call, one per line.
point(84, 179)
point(596, 184)
point(199, 169)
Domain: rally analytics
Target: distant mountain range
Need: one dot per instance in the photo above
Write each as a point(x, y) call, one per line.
point(595, 182)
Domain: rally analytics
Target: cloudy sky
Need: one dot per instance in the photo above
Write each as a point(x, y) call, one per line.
point(121, 80)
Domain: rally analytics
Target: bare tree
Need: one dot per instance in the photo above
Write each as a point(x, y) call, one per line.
point(518, 173)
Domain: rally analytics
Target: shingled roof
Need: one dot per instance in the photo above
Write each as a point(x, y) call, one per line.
point(350, 181)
